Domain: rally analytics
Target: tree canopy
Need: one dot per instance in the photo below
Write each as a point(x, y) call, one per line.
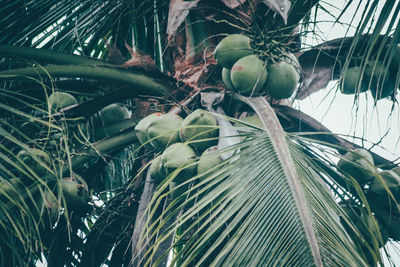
point(154, 133)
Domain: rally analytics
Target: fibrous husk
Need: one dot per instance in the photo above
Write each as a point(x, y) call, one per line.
point(141, 129)
point(199, 125)
point(60, 100)
point(231, 49)
point(359, 164)
point(248, 75)
point(164, 131)
point(179, 155)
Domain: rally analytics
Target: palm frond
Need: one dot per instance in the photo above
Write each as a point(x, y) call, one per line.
point(247, 211)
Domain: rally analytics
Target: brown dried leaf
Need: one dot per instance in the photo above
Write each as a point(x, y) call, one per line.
point(178, 11)
point(279, 6)
point(315, 79)
point(195, 75)
point(233, 3)
point(114, 55)
point(139, 59)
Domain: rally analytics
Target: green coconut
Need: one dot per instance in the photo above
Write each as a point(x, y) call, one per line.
point(379, 79)
point(164, 131)
point(231, 49)
point(365, 225)
point(176, 191)
point(199, 125)
point(60, 100)
point(226, 78)
point(37, 160)
point(283, 78)
point(50, 209)
point(179, 155)
point(248, 75)
point(114, 113)
point(392, 182)
point(76, 194)
point(208, 160)
point(359, 164)
point(157, 171)
point(396, 170)
point(254, 120)
point(352, 82)
point(141, 129)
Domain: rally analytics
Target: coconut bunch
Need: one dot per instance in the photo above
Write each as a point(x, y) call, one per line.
point(186, 145)
point(382, 189)
point(374, 76)
point(247, 73)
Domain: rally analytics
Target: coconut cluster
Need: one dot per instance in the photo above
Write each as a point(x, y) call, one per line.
point(374, 76)
point(246, 73)
point(36, 167)
point(382, 188)
point(186, 146)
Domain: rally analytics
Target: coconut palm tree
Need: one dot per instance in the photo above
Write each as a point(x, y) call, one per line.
point(76, 186)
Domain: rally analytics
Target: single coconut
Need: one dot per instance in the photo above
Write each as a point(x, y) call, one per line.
point(248, 75)
point(390, 180)
point(37, 160)
point(114, 113)
point(157, 171)
point(283, 78)
point(379, 80)
point(179, 155)
point(197, 126)
point(60, 100)
point(76, 194)
point(208, 160)
point(226, 78)
point(141, 129)
point(352, 81)
point(164, 131)
point(359, 164)
point(231, 49)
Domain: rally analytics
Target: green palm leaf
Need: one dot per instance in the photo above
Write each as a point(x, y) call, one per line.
point(266, 207)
